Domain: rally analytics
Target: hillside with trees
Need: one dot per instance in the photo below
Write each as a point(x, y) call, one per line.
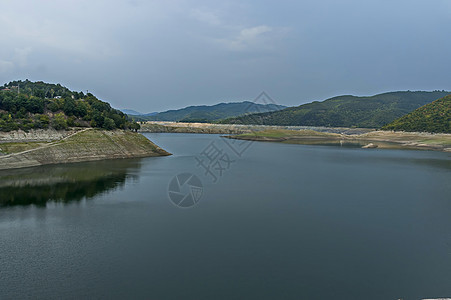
point(210, 113)
point(434, 117)
point(37, 105)
point(345, 111)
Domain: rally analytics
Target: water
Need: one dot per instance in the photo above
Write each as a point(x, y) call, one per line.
point(282, 222)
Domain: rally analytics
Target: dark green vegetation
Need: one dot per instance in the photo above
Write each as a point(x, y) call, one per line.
point(345, 111)
point(37, 105)
point(206, 114)
point(433, 117)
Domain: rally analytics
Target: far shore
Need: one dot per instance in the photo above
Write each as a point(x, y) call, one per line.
point(339, 136)
point(371, 140)
point(212, 128)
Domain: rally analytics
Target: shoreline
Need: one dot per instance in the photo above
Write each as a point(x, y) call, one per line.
point(212, 128)
point(73, 146)
point(307, 135)
point(371, 140)
point(21, 149)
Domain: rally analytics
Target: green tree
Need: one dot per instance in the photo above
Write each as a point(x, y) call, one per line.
point(69, 107)
point(59, 122)
point(135, 126)
point(109, 124)
point(53, 106)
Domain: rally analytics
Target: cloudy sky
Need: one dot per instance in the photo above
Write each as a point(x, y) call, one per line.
point(157, 55)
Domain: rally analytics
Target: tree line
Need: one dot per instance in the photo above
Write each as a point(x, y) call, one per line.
point(37, 105)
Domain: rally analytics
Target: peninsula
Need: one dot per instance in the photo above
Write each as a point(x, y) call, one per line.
point(43, 124)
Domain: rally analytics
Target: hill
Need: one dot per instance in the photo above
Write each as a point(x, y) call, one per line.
point(37, 105)
point(131, 112)
point(345, 111)
point(434, 117)
point(206, 113)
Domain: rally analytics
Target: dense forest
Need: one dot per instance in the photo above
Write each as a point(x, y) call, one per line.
point(345, 111)
point(434, 117)
point(37, 105)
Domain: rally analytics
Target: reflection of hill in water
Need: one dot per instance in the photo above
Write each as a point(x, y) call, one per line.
point(71, 182)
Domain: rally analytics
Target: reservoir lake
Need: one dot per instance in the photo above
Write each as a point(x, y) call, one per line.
point(260, 221)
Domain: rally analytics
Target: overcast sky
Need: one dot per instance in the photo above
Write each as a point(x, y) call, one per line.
point(158, 55)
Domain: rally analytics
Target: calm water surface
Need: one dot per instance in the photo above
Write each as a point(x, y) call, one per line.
point(281, 222)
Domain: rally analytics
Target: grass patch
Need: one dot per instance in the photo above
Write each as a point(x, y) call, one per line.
point(9, 148)
point(437, 141)
point(99, 140)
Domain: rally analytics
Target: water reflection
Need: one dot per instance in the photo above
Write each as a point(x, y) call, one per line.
point(64, 183)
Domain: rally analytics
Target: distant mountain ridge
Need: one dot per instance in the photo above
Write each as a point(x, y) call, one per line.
point(210, 113)
point(434, 117)
point(345, 111)
point(130, 112)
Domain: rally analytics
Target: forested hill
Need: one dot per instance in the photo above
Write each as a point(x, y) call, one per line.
point(345, 111)
point(210, 113)
point(37, 105)
point(434, 117)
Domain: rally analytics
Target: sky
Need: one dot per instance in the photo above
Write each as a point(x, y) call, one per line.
point(158, 55)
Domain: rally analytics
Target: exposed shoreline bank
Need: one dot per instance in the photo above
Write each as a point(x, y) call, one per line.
point(374, 139)
point(36, 148)
point(357, 137)
point(211, 128)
